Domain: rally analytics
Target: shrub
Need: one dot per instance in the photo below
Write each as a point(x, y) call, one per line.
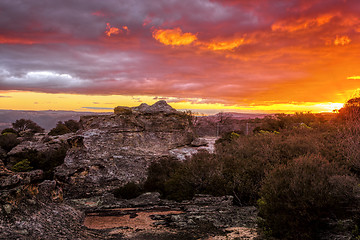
point(66, 127)
point(128, 191)
point(297, 197)
point(8, 131)
point(22, 166)
point(60, 129)
point(8, 141)
point(349, 134)
point(287, 121)
point(182, 180)
point(46, 161)
point(350, 110)
point(72, 125)
point(200, 174)
point(245, 161)
point(229, 136)
point(159, 172)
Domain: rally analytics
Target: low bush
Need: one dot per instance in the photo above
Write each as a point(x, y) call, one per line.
point(60, 129)
point(159, 172)
point(298, 197)
point(22, 166)
point(8, 141)
point(66, 127)
point(128, 191)
point(182, 180)
point(8, 131)
point(46, 161)
point(202, 174)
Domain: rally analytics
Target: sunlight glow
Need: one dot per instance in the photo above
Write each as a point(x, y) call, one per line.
point(20, 100)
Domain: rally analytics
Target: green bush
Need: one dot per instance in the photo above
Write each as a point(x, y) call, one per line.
point(46, 161)
point(128, 191)
point(298, 197)
point(229, 137)
point(22, 166)
point(8, 131)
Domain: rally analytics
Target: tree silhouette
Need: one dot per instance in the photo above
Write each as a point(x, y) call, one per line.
point(21, 125)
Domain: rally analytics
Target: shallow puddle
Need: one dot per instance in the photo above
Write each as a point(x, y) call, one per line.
point(129, 220)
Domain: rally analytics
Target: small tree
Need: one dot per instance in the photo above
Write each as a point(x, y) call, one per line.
point(351, 110)
point(21, 125)
point(60, 129)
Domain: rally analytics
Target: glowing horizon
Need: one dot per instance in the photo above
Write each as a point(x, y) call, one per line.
point(106, 103)
point(248, 56)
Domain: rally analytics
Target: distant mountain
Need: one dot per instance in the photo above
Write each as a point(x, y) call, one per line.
point(45, 119)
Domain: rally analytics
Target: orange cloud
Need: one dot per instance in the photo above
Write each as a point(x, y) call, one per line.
point(226, 45)
point(301, 24)
point(342, 40)
point(174, 37)
point(113, 30)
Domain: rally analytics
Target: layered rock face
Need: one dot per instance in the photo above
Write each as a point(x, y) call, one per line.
point(113, 150)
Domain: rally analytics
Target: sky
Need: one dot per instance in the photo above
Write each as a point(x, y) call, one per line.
point(206, 55)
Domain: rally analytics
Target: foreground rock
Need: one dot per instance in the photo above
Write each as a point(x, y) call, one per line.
point(31, 208)
point(148, 217)
point(113, 150)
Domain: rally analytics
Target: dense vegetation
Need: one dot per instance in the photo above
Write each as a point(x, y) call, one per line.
point(302, 171)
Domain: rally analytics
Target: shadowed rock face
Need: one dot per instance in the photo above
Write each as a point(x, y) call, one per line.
point(113, 150)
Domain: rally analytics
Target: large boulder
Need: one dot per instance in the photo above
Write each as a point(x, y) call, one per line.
point(113, 150)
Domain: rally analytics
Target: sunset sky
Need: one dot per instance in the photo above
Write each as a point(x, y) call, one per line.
point(214, 55)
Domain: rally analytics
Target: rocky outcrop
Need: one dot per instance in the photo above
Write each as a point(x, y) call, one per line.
point(112, 150)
